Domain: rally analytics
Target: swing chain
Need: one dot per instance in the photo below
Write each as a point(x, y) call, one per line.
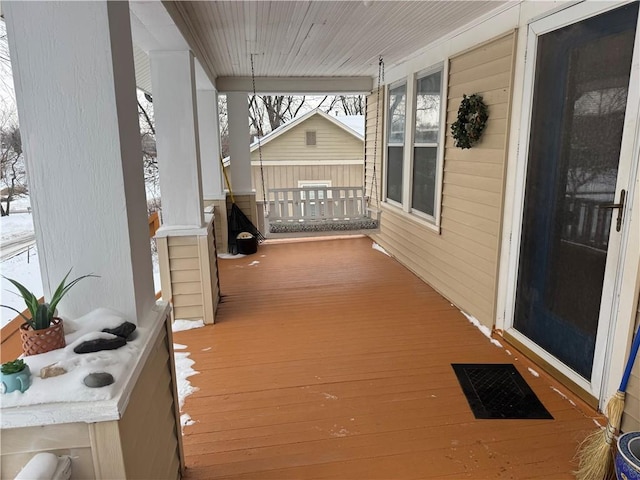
point(374, 181)
point(264, 193)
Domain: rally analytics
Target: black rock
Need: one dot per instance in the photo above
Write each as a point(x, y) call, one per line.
point(100, 344)
point(124, 330)
point(97, 380)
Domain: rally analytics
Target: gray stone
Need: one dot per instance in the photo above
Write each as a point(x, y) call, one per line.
point(124, 330)
point(100, 344)
point(97, 380)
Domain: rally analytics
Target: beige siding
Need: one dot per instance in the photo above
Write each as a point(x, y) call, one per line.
point(288, 176)
point(631, 418)
point(151, 415)
point(374, 147)
point(462, 261)
point(332, 144)
point(108, 450)
point(20, 444)
point(188, 270)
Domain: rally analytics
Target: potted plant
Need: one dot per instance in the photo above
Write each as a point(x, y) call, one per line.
point(15, 375)
point(42, 332)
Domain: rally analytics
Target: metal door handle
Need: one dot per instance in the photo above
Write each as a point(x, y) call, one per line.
point(619, 206)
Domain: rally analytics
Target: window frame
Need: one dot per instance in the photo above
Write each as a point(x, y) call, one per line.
point(439, 145)
point(403, 81)
point(405, 209)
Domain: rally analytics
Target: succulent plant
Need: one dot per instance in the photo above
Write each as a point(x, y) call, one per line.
point(14, 366)
point(42, 313)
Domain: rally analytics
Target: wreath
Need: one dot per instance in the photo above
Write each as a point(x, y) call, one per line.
point(472, 119)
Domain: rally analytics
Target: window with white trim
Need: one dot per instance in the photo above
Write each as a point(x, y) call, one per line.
point(395, 141)
point(415, 132)
point(425, 143)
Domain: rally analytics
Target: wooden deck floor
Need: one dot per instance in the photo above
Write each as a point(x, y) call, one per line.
point(331, 360)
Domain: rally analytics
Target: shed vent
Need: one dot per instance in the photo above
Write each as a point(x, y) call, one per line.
point(311, 137)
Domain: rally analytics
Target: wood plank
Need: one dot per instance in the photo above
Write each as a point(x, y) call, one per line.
point(294, 386)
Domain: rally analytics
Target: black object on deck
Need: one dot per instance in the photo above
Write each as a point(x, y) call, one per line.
point(498, 391)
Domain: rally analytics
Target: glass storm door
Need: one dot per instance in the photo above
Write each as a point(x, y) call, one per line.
point(570, 224)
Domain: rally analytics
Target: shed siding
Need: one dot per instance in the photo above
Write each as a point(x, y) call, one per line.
point(333, 144)
point(631, 417)
point(462, 261)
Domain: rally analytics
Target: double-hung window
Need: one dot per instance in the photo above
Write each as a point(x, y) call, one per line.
point(424, 188)
point(395, 141)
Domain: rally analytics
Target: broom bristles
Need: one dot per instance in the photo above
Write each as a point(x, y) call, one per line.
point(595, 455)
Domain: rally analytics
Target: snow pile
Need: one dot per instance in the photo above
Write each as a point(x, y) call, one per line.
point(227, 256)
point(486, 331)
point(25, 269)
point(16, 225)
point(70, 387)
point(182, 325)
point(375, 246)
point(183, 372)
point(567, 399)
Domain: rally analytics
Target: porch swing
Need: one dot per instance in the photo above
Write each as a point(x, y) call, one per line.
point(320, 209)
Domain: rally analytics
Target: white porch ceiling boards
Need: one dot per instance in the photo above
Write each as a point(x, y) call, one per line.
point(317, 38)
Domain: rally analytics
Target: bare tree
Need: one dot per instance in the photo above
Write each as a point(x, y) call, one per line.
point(12, 170)
point(149, 153)
point(353, 104)
point(276, 110)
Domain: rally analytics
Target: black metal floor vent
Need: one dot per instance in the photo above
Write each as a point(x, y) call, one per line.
point(498, 391)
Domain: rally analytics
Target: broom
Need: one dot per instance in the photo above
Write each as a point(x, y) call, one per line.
point(238, 222)
point(595, 458)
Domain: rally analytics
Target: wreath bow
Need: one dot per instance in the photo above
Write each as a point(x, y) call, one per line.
point(471, 122)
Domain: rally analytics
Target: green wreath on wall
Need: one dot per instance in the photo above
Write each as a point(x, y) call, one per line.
point(471, 122)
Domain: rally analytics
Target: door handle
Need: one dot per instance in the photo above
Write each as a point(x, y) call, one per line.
point(619, 206)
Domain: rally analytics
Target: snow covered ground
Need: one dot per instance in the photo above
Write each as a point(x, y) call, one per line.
point(25, 267)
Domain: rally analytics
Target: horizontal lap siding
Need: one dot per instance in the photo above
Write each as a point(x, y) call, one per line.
point(332, 143)
point(462, 261)
point(186, 282)
point(21, 444)
point(631, 418)
point(150, 415)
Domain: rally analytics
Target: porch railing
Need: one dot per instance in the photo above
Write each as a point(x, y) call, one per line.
point(316, 203)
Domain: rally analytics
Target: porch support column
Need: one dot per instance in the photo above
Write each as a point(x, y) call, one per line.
point(240, 154)
point(76, 97)
point(213, 194)
point(186, 247)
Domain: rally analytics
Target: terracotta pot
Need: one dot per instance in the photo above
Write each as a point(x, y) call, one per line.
point(42, 341)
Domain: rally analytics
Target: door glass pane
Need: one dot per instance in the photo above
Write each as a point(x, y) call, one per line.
point(424, 179)
point(394, 173)
point(580, 92)
point(428, 108)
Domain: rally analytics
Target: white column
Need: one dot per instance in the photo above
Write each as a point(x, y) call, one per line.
point(238, 112)
point(209, 130)
point(175, 111)
point(75, 89)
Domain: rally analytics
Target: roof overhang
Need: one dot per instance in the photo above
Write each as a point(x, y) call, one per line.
point(297, 85)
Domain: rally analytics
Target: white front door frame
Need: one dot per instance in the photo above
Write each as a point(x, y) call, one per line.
point(621, 283)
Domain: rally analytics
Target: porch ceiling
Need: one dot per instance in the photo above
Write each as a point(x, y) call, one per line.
point(316, 38)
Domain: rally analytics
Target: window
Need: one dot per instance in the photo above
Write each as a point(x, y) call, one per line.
point(311, 137)
point(395, 141)
point(425, 146)
point(415, 130)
